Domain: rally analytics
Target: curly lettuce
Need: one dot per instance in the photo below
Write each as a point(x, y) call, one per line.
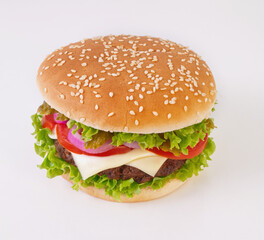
point(55, 166)
point(87, 132)
point(176, 141)
point(179, 139)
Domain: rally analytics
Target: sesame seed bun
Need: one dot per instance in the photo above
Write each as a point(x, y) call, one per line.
point(128, 84)
point(146, 194)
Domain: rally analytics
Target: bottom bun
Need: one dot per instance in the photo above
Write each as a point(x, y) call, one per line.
point(146, 194)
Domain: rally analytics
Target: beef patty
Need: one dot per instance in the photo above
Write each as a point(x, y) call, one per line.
point(125, 172)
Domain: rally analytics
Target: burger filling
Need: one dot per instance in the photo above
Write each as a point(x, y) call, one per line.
point(125, 172)
point(119, 162)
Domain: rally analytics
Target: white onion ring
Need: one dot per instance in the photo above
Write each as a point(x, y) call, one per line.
point(76, 140)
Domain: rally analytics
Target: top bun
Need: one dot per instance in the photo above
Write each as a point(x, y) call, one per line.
point(128, 84)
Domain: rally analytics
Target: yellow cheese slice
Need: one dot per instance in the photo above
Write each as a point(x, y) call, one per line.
point(144, 160)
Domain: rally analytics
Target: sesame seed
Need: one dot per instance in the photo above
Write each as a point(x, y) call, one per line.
point(83, 77)
point(186, 98)
point(111, 94)
point(136, 122)
point(185, 108)
point(62, 96)
point(111, 114)
point(101, 79)
point(140, 109)
point(131, 112)
point(140, 96)
point(74, 71)
point(84, 64)
point(63, 82)
point(96, 107)
point(97, 95)
point(169, 115)
point(155, 113)
point(125, 128)
point(61, 63)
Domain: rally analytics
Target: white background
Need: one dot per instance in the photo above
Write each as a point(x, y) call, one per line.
point(224, 202)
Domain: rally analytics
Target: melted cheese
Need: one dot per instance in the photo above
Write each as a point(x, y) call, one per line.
point(144, 160)
point(149, 165)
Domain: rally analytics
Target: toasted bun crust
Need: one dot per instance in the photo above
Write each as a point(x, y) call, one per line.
point(146, 194)
point(128, 84)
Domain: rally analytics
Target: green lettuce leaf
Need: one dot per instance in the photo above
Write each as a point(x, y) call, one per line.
point(179, 139)
point(55, 166)
point(194, 165)
point(144, 140)
point(87, 132)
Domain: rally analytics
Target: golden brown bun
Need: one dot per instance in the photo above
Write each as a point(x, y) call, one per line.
point(146, 194)
point(128, 84)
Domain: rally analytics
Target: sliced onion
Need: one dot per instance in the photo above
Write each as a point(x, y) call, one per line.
point(58, 121)
point(132, 145)
point(76, 140)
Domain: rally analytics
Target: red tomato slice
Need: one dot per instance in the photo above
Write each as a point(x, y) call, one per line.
point(192, 152)
point(62, 134)
point(48, 122)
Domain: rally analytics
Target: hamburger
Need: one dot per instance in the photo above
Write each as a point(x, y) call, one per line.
point(125, 118)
